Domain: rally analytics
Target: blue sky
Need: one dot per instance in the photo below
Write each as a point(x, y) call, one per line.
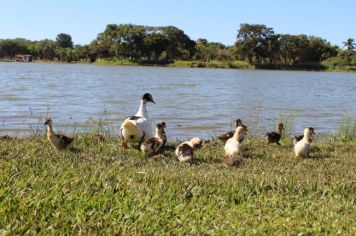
point(218, 21)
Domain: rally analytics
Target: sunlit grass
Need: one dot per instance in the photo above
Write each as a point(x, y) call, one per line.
point(97, 188)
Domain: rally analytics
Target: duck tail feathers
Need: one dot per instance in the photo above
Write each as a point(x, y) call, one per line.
point(131, 131)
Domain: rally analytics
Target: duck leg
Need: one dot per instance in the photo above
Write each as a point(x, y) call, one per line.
point(141, 141)
point(124, 145)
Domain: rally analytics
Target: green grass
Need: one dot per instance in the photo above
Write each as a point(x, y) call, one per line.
point(100, 189)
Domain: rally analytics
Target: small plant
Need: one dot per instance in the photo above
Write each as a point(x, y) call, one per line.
point(346, 131)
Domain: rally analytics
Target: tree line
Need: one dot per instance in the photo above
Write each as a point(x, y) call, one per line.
point(255, 43)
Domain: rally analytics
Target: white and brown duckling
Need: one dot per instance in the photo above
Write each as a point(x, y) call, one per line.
point(302, 148)
point(226, 136)
point(185, 150)
point(154, 145)
point(296, 139)
point(233, 145)
point(60, 141)
point(275, 136)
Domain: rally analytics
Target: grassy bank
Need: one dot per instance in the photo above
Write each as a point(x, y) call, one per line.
point(99, 189)
point(323, 66)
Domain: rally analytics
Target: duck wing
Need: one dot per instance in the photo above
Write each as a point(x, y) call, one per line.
point(139, 121)
point(296, 139)
point(273, 135)
point(185, 150)
point(64, 140)
point(226, 136)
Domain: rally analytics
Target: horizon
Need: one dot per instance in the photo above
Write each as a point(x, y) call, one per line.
point(83, 21)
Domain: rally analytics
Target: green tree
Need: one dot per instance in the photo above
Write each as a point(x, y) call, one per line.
point(11, 47)
point(155, 45)
point(180, 46)
point(64, 40)
point(251, 42)
point(349, 44)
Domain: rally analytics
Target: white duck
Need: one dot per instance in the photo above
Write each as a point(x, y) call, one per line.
point(135, 128)
point(185, 150)
point(302, 148)
point(233, 144)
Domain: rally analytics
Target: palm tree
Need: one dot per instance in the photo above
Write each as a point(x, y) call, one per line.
point(350, 44)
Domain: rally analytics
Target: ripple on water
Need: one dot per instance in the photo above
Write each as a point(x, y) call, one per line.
point(193, 102)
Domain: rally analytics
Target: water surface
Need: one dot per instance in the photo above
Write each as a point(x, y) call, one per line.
point(192, 101)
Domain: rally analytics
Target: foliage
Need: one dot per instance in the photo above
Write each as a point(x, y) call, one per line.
point(346, 131)
point(350, 44)
point(259, 45)
point(253, 42)
point(99, 189)
point(256, 44)
point(64, 40)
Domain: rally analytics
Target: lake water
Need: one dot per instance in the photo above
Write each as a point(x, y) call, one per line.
point(192, 101)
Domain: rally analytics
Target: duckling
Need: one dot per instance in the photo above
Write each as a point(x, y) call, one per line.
point(154, 145)
point(296, 139)
point(135, 128)
point(302, 147)
point(226, 136)
point(60, 141)
point(5, 137)
point(185, 150)
point(233, 144)
point(233, 161)
point(275, 136)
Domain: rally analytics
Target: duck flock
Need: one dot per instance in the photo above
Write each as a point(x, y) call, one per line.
point(135, 130)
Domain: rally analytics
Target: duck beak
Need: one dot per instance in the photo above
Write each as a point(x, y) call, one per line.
point(153, 101)
point(46, 123)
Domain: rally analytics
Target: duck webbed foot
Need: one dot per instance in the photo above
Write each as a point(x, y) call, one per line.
point(124, 145)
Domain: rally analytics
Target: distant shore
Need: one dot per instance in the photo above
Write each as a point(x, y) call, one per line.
point(322, 66)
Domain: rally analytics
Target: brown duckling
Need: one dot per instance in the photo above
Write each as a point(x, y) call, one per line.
point(233, 160)
point(185, 150)
point(275, 136)
point(60, 141)
point(6, 137)
point(296, 139)
point(226, 136)
point(156, 144)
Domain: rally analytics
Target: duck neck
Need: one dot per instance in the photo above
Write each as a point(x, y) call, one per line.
point(237, 136)
point(49, 129)
point(279, 130)
point(142, 112)
point(160, 134)
point(308, 138)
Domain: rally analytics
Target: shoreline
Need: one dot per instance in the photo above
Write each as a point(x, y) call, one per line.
point(241, 65)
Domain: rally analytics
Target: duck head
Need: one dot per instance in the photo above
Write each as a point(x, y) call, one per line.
point(238, 123)
point(311, 131)
point(160, 128)
point(280, 127)
point(48, 122)
point(148, 98)
point(196, 143)
point(308, 133)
